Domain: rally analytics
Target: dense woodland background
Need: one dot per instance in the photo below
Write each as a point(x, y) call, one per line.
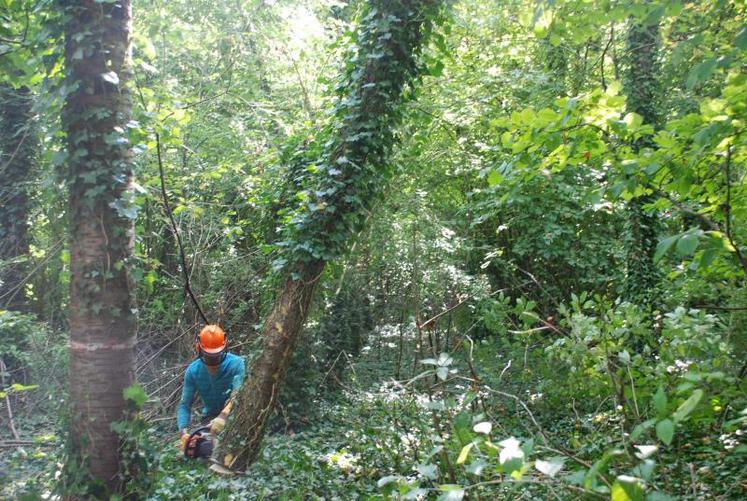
point(524, 220)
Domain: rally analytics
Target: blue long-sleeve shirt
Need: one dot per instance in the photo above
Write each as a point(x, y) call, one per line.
point(214, 389)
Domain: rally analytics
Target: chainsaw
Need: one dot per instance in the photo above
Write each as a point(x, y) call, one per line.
point(200, 445)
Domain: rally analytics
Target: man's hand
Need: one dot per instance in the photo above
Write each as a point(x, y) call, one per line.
point(217, 424)
point(183, 440)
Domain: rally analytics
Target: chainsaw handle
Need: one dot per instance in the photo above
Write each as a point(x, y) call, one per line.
point(203, 430)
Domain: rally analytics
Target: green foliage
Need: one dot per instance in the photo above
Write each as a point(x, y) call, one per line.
point(15, 331)
point(341, 185)
point(140, 452)
point(136, 395)
point(557, 159)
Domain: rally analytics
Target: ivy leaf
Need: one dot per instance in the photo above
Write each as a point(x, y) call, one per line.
point(476, 467)
point(135, 394)
point(633, 121)
point(384, 481)
point(437, 69)
point(641, 427)
point(435, 405)
point(429, 471)
point(665, 430)
point(494, 178)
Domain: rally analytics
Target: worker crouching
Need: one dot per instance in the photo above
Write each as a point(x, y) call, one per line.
point(216, 375)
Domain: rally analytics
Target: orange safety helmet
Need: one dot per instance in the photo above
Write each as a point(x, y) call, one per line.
point(211, 344)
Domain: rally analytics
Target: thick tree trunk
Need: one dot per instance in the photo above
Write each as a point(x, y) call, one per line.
point(102, 331)
point(643, 90)
point(17, 145)
point(353, 170)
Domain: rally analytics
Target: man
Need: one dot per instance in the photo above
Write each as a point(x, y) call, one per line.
point(215, 375)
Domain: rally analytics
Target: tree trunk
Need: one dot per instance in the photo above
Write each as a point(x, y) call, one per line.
point(17, 145)
point(102, 332)
point(351, 174)
point(643, 91)
point(282, 331)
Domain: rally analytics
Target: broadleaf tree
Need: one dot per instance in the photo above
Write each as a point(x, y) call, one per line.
point(96, 118)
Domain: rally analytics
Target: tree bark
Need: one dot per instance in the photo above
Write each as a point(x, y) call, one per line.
point(96, 117)
point(352, 172)
point(17, 156)
point(282, 332)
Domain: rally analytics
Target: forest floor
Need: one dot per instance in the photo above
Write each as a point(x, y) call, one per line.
point(376, 431)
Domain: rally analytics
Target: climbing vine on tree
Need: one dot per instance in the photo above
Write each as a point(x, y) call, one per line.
point(341, 185)
point(96, 120)
point(485, 249)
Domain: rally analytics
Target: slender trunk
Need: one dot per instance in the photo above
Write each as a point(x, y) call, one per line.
point(556, 64)
point(355, 169)
point(281, 334)
point(17, 145)
point(642, 89)
point(102, 330)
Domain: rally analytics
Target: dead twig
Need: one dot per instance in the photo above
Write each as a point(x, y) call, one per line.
point(167, 207)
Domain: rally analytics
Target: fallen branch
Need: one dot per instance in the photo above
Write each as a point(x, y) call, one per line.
point(547, 445)
point(19, 443)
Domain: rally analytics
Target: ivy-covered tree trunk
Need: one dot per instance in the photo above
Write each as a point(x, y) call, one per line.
point(17, 151)
point(96, 118)
point(341, 185)
point(643, 92)
point(556, 65)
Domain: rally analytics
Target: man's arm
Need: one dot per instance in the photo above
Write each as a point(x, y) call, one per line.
point(184, 411)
